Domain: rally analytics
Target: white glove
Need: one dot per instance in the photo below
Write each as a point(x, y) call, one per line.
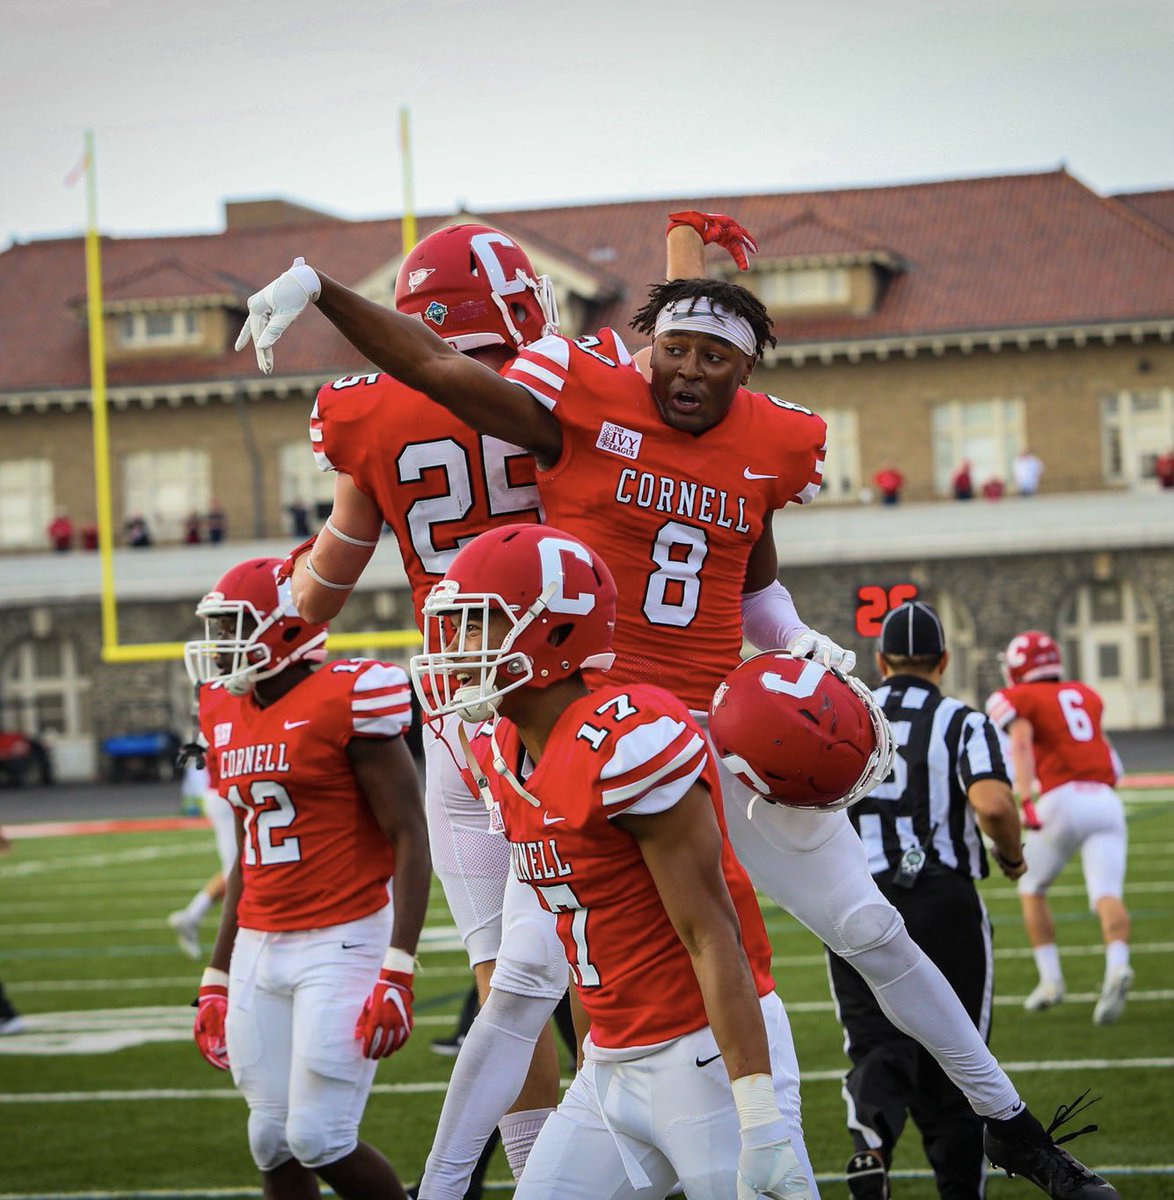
point(821, 648)
point(274, 307)
point(768, 1166)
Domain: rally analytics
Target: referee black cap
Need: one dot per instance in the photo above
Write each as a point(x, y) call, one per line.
point(912, 630)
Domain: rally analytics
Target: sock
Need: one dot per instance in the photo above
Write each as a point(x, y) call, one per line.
point(1116, 957)
point(519, 1131)
point(1047, 963)
point(198, 906)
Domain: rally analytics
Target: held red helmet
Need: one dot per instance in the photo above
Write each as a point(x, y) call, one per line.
point(251, 629)
point(1030, 656)
point(474, 286)
point(800, 734)
point(559, 602)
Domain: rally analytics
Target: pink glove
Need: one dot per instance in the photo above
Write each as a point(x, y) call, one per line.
point(718, 229)
point(1030, 816)
point(211, 1010)
point(386, 1020)
point(286, 570)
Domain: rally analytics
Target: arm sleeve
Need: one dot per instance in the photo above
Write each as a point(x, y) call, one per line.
point(652, 766)
point(381, 702)
point(769, 619)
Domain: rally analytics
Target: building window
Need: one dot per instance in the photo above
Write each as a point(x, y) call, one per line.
point(26, 502)
point(1136, 427)
point(841, 468)
point(41, 689)
point(986, 433)
point(803, 287)
point(139, 329)
point(302, 482)
point(165, 488)
point(1109, 634)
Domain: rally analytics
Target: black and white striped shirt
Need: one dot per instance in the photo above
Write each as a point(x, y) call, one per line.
point(943, 747)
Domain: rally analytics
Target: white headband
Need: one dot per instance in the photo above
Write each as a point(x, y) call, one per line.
point(701, 315)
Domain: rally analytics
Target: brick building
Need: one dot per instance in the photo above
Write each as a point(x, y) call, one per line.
point(930, 324)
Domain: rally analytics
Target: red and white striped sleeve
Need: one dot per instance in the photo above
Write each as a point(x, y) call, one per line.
point(318, 436)
point(542, 369)
point(381, 701)
point(1001, 710)
point(652, 766)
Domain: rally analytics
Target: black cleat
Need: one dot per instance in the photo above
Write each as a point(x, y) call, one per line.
point(867, 1178)
point(1022, 1146)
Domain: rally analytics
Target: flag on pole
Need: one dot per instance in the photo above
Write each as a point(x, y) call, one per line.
point(79, 170)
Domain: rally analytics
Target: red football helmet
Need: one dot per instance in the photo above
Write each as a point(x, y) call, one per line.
point(800, 734)
point(560, 603)
point(1030, 656)
point(267, 635)
point(474, 286)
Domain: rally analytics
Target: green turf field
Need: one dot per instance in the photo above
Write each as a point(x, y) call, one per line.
point(107, 1095)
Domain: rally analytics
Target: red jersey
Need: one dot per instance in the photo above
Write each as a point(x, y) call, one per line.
point(313, 853)
point(1066, 732)
point(619, 750)
point(674, 515)
point(436, 482)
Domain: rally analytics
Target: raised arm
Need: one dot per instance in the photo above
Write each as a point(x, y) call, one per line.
point(408, 351)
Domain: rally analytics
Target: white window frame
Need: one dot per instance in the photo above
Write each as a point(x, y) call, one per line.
point(184, 328)
point(1140, 439)
point(952, 435)
point(26, 503)
point(21, 687)
point(300, 479)
point(803, 287)
point(164, 487)
point(841, 468)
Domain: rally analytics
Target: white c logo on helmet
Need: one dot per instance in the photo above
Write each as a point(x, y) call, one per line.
point(482, 246)
point(550, 552)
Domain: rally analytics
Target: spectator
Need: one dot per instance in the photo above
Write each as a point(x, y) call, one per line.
point(962, 483)
point(61, 531)
point(137, 533)
point(215, 523)
point(191, 529)
point(89, 535)
point(1164, 469)
point(889, 482)
point(993, 489)
point(1027, 469)
point(299, 517)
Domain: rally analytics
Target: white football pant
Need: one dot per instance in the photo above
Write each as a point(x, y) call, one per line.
point(1088, 817)
point(293, 1000)
point(630, 1130)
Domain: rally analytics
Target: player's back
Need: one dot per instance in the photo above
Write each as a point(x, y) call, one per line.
point(313, 854)
point(674, 515)
point(1066, 730)
point(620, 750)
point(436, 482)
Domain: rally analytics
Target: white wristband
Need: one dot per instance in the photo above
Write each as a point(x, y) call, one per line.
point(213, 977)
point(346, 537)
point(755, 1100)
point(399, 960)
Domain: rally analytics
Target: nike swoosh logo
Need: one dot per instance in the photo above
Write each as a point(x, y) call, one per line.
point(547, 819)
point(351, 945)
point(704, 1062)
point(295, 724)
point(755, 475)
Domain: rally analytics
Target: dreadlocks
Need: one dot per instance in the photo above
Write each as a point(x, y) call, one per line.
point(730, 296)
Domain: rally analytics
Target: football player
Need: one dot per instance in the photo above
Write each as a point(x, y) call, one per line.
point(609, 799)
point(1054, 725)
point(310, 980)
point(675, 483)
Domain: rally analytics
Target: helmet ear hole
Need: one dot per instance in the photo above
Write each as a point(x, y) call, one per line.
point(292, 632)
point(559, 634)
point(520, 313)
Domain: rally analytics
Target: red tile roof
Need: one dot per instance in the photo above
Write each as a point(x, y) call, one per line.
point(979, 254)
point(1154, 206)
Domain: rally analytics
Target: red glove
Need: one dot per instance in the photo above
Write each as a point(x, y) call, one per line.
point(386, 1020)
point(718, 229)
point(211, 1009)
point(286, 570)
point(1030, 816)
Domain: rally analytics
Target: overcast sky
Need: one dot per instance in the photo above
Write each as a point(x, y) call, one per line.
point(520, 103)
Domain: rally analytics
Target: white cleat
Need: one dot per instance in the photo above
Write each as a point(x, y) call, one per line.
point(1046, 995)
point(1112, 1002)
point(187, 933)
point(12, 1025)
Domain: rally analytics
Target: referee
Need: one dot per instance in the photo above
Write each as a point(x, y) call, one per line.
point(921, 830)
